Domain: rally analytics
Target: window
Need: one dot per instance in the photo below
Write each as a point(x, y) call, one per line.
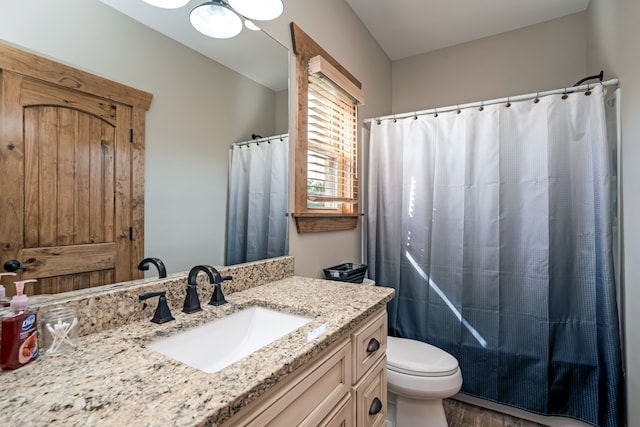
point(326, 186)
point(332, 132)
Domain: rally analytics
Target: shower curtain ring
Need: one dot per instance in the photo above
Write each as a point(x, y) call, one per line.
point(415, 115)
point(459, 110)
point(481, 106)
point(435, 112)
point(564, 94)
point(394, 119)
point(378, 121)
point(588, 92)
point(508, 102)
point(537, 99)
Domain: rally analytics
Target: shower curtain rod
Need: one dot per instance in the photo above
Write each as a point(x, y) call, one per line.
point(258, 140)
point(568, 90)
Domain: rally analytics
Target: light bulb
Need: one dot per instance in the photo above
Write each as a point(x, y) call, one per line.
point(215, 19)
point(250, 25)
point(260, 10)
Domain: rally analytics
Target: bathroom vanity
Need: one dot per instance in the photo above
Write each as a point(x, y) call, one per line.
point(330, 371)
point(344, 386)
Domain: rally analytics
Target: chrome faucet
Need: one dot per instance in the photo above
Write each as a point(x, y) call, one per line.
point(191, 301)
point(144, 266)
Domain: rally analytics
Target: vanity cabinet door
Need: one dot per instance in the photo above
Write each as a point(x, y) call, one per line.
point(371, 397)
point(343, 416)
point(308, 397)
point(346, 385)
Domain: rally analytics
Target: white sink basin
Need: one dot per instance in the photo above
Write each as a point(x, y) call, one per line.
point(218, 344)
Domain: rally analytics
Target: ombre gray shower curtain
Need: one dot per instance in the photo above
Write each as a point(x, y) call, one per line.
point(494, 228)
point(257, 225)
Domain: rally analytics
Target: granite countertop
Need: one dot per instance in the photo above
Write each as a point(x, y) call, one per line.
point(114, 380)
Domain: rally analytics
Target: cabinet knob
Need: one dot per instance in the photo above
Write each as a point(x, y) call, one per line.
point(376, 406)
point(374, 345)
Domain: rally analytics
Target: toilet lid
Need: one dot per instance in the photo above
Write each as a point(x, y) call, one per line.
point(420, 359)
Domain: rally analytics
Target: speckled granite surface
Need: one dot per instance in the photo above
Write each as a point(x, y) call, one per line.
point(107, 307)
point(114, 380)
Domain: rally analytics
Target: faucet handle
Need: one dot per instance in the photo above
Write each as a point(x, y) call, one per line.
point(191, 300)
point(162, 313)
point(218, 297)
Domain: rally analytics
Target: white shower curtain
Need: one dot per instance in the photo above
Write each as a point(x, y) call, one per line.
point(257, 227)
point(494, 227)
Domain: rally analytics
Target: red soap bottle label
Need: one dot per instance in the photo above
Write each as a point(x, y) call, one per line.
point(19, 342)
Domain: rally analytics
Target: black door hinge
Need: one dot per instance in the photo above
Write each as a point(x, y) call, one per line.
point(130, 233)
point(131, 136)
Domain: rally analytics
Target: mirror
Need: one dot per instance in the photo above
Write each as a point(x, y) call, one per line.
point(200, 107)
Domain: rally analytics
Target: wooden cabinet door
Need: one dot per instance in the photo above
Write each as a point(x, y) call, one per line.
point(65, 175)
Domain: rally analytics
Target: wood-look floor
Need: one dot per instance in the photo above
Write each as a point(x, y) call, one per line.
point(461, 414)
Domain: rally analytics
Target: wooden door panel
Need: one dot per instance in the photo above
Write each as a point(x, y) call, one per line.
point(67, 260)
point(72, 172)
point(76, 199)
point(11, 169)
point(39, 93)
point(101, 176)
point(75, 282)
point(69, 198)
point(69, 178)
point(68, 173)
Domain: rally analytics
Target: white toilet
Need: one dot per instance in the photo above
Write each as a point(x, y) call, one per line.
point(419, 376)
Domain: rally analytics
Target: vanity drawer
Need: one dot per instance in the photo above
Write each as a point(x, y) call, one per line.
point(369, 344)
point(371, 397)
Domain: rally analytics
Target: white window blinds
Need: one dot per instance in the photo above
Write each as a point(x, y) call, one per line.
point(332, 150)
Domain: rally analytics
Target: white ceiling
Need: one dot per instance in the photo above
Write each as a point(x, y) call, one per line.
point(405, 28)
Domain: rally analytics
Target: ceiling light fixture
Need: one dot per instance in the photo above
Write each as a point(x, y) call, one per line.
point(216, 19)
point(167, 4)
point(251, 25)
point(222, 19)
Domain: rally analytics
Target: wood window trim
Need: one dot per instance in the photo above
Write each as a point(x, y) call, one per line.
point(313, 220)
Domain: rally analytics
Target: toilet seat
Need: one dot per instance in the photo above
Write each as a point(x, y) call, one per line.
point(416, 358)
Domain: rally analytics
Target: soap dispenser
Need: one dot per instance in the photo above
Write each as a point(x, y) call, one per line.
point(19, 341)
point(4, 301)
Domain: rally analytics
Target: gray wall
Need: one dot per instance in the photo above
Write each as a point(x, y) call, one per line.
point(614, 35)
point(192, 121)
point(333, 25)
point(199, 108)
point(545, 56)
point(282, 112)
